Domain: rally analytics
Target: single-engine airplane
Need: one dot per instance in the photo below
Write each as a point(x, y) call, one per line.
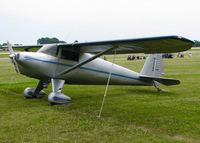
point(79, 63)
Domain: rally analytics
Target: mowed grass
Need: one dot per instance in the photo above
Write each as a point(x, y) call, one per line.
point(4, 55)
point(130, 114)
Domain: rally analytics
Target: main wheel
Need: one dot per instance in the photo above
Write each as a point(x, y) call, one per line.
point(29, 93)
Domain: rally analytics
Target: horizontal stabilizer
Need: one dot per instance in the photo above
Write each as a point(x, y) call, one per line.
point(165, 81)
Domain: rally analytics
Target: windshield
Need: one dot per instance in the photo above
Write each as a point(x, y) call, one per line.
point(49, 49)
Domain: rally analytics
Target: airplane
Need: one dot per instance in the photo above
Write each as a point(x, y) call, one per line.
point(80, 63)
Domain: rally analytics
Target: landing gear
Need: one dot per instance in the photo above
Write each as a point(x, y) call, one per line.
point(37, 92)
point(56, 97)
point(156, 85)
point(29, 93)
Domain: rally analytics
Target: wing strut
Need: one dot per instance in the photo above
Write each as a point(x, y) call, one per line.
point(106, 89)
point(86, 61)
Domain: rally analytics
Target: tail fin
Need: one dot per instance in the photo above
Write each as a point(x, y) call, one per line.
point(152, 71)
point(153, 66)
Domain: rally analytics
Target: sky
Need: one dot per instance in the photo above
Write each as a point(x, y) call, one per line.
point(24, 21)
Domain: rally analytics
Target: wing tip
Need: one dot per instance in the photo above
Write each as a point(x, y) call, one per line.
point(182, 38)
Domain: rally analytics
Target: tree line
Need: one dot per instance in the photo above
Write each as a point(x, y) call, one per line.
point(42, 40)
point(47, 40)
point(196, 43)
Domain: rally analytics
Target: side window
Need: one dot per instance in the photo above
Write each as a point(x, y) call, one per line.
point(69, 55)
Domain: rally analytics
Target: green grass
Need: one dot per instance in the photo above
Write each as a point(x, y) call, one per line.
point(130, 114)
point(4, 55)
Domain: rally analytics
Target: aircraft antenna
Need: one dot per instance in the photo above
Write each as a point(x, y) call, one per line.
point(108, 82)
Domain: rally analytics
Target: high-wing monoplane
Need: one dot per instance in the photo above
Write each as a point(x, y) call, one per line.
point(79, 63)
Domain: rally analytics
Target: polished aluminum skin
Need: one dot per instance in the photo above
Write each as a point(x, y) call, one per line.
point(44, 67)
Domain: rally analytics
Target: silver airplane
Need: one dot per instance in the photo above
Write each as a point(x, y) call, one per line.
point(79, 63)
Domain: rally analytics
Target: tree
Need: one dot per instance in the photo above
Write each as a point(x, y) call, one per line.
point(2, 46)
point(196, 43)
point(47, 40)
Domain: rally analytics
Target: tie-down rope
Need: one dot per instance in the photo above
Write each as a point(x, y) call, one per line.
point(108, 82)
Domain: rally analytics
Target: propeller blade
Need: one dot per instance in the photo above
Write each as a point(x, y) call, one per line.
point(13, 57)
point(10, 49)
point(16, 65)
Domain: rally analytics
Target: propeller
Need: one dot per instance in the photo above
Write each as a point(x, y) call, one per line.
point(13, 57)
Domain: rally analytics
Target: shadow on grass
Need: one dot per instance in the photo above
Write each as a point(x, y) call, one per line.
point(151, 92)
point(140, 91)
point(87, 96)
point(117, 92)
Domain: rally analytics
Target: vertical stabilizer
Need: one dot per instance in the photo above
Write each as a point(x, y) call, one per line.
point(153, 66)
point(152, 71)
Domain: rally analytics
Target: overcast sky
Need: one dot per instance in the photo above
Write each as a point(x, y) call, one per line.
point(24, 21)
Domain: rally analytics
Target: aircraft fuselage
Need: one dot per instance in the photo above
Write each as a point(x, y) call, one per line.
point(44, 67)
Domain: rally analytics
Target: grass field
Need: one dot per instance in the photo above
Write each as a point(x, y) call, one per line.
point(130, 114)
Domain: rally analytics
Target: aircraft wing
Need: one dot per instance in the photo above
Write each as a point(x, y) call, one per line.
point(166, 44)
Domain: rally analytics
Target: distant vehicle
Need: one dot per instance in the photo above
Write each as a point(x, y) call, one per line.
point(181, 55)
point(168, 55)
point(135, 57)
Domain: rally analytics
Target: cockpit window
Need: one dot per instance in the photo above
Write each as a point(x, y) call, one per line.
point(64, 52)
point(69, 55)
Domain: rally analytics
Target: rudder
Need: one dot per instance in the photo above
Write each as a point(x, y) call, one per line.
point(153, 66)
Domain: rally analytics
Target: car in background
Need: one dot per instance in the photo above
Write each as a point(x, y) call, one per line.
point(168, 56)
